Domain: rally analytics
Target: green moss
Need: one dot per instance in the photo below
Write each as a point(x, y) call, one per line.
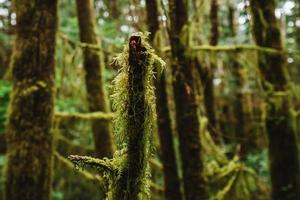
point(134, 104)
point(120, 90)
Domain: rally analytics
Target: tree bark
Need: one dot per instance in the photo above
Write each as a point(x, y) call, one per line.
point(2, 143)
point(207, 76)
point(94, 67)
point(29, 139)
point(186, 106)
point(171, 177)
point(244, 123)
point(297, 28)
point(280, 122)
point(244, 134)
point(130, 183)
point(152, 18)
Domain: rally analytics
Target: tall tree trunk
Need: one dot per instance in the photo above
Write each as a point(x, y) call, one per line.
point(231, 20)
point(244, 129)
point(171, 177)
point(207, 76)
point(214, 29)
point(152, 18)
point(113, 8)
point(131, 182)
point(188, 123)
point(93, 65)
point(242, 110)
point(29, 139)
point(297, 31)
point(283, 152)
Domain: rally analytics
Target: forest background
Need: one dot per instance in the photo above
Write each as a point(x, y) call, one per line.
point(227, 101)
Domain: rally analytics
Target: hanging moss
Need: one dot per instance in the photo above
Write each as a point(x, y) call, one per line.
point(134, 103)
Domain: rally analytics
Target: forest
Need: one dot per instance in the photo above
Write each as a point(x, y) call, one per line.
point(150, 99)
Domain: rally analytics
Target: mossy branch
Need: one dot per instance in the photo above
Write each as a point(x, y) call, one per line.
point(235, 48)
point(70, 165)
point(82, 44)
point(84, 116)
point(195, 48)
point(100, 165)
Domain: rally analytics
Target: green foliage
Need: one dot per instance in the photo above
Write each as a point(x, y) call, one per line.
point(5, 88)
point(259, 162)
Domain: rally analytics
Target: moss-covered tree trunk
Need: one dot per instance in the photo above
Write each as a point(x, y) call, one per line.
point(130, 184)
point(207, 76)
point(171, 177)
point(281, 130)
point(94, 67)
point(187, 120)
point(29, 137)
point(134, 102)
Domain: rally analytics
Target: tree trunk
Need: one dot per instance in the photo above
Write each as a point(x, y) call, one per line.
point(113, 8)
point(152, 18)
point(188, 123)
point(242, 110)
point(232, 20)
point(2, 143)
point(131, 182)
point(93, 65)
point(244, 122)
point(171, 177)
point(29, 139)
point(297, 27)
point(283, 152)
point(207, 76)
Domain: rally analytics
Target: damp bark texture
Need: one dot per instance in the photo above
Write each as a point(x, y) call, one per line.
point(130, 183)
point(171, 177)
point(94, 67)
point(186, 106)
point(29, 137)
point(281, 130)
